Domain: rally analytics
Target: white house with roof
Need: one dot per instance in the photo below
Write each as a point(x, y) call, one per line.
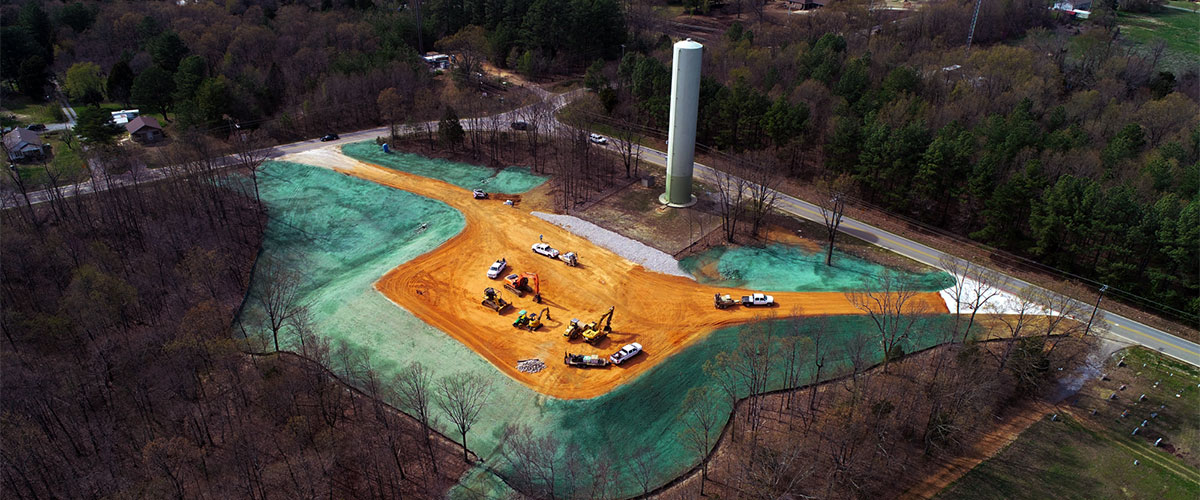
point(22, 144)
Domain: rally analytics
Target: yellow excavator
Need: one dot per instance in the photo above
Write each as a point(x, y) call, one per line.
point(535, 320)
point(593, 332)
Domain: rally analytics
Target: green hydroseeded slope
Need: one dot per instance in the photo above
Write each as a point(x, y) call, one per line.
point(787, 268)
point(511, 180)
point(344, 233)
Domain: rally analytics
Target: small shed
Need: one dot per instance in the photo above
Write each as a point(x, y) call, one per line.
point(22, 144)
point(144, 129)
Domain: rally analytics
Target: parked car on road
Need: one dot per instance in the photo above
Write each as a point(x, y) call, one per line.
point(545, 249)
point(329, 137)
point(598, 139)
point(520, 126)
point(629, 351)
point(36, 127)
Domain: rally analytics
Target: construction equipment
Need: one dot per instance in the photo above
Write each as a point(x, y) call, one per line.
point(723, 301)
point(570, 258)
point(493, 300)
point(522, 319)
point(593, 332)
point(535, 320)
point(521, 283)
point(584, 360)
point(573, 329)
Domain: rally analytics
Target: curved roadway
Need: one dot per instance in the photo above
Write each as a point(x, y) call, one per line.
point(1120, 327)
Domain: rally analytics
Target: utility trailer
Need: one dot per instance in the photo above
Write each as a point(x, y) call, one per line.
point(585, 360)
point(723, 301)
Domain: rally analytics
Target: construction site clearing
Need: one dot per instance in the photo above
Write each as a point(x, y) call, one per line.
point(621, 301)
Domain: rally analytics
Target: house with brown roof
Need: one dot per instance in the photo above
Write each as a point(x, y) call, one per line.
point(144, 129)
point(22, 144)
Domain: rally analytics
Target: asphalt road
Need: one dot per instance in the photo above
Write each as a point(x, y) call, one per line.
point(1119, 327)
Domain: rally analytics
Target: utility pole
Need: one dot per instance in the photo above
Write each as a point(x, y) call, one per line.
point(975, 17)
point(1103, 288)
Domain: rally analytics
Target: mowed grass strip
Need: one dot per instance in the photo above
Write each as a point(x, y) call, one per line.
point(1178, 28)
point(1091, 456)
point(1065, 459)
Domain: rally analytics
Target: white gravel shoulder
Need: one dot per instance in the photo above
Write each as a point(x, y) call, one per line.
point(637, 252)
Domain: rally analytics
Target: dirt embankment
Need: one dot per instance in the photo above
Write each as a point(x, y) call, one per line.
point(663, 313)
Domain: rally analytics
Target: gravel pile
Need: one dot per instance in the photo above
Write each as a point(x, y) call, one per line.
point(530, 365)
point(637, 252)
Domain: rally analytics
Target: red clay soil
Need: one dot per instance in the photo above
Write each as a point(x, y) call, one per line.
point(662, 312)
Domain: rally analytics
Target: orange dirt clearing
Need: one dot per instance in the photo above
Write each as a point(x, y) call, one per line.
point(664, 313)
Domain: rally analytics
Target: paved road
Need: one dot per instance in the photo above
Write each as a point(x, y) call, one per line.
point(1120, 327)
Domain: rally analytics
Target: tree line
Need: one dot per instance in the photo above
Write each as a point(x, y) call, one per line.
point(295, 69)
point(122, 376)
point(1065, 148)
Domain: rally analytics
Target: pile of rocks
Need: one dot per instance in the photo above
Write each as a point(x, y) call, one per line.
point(530, 365)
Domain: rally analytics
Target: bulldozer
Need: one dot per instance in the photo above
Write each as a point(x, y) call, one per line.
point(522, 319)
point(492, 300)
point(521, 283)
point(593, 332)
point(573, 329)
point(535, 320)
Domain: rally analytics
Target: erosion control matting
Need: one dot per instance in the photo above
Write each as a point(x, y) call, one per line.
point(511, 180)
point(776, 267)
point(664, 313)
point(344, 233)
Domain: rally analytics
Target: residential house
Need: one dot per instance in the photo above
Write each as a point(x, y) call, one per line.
point(22, 144)
point(144, 129)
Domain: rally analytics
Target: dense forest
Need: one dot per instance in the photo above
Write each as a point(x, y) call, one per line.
point(1071, 149)
point(121, 378)
point(296, 68)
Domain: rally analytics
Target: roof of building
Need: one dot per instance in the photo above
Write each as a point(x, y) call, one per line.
point(141, 122)
point(13, 140)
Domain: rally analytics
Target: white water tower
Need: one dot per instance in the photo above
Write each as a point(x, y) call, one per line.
point(681, 136)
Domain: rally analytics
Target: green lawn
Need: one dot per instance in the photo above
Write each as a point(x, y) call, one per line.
point(1094, 458)
point(1179, 29)
point(1184, 5)
point(65, 162)
point(31, 112)
point(1065, 459)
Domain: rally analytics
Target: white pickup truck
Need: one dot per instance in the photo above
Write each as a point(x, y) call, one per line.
point(758, 299)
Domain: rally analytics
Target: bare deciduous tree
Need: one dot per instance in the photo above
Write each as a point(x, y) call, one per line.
point(831, 199)
point(413, 386)
point(888, 300)
point(732, 192)
point(764, 180)
point(278, 295)
point(700, 428)
point(974, 287)
point(462, 397)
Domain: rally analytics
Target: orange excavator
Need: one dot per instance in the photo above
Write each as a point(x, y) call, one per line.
point(522, 283)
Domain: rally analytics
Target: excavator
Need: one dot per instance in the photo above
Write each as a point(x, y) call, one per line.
point(592, 332)
point(493, 301)
point(521, 283)
point(535, 320)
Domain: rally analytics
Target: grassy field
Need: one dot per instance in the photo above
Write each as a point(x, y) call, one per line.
point(31, 112)
point(1092, 456)
point(65, 161)
point(1178, 28)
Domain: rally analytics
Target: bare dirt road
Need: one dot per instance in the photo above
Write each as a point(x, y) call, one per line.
point(664, 313)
